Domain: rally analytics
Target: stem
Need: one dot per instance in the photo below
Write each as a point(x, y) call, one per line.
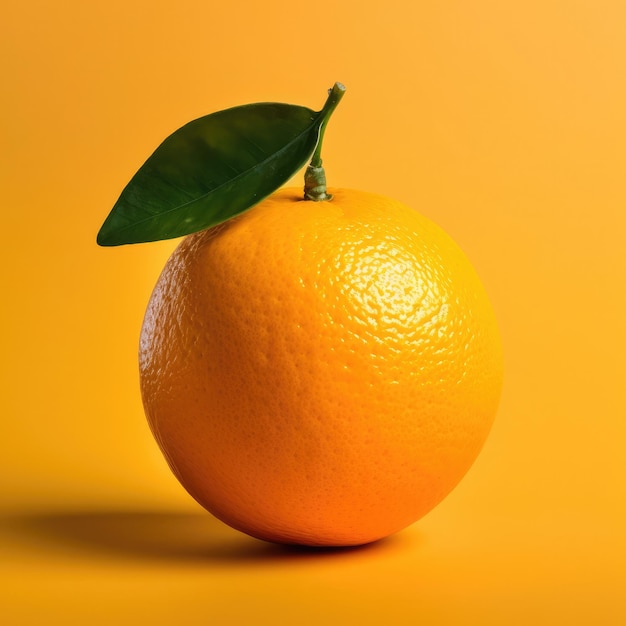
point(315, 177)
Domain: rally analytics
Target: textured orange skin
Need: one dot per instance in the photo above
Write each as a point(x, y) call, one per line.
point(320, 373)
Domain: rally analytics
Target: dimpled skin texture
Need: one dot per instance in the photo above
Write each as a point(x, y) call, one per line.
point(320, 373)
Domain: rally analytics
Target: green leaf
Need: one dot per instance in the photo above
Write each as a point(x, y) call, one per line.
point(212, 169)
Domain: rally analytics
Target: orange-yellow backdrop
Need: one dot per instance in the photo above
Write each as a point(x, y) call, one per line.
point(503, 121)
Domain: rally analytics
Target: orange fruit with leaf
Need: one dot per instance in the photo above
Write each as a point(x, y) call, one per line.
point(316, 371)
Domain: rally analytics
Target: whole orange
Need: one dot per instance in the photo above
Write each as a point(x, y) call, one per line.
point(320, 373)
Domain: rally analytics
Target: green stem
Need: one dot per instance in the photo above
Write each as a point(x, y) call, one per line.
point(315, 177)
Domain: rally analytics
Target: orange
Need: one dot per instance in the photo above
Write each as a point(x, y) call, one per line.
point(320, 373)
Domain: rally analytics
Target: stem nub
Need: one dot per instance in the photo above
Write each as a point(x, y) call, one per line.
point(315, 177)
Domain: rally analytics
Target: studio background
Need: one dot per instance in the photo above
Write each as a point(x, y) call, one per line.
point(502, 121)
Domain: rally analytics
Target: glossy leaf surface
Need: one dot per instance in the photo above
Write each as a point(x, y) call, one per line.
point(212, 169)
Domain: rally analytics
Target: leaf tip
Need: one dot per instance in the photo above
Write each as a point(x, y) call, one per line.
point(104, 238)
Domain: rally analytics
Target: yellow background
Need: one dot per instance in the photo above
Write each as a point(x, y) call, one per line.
point(505, 122)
